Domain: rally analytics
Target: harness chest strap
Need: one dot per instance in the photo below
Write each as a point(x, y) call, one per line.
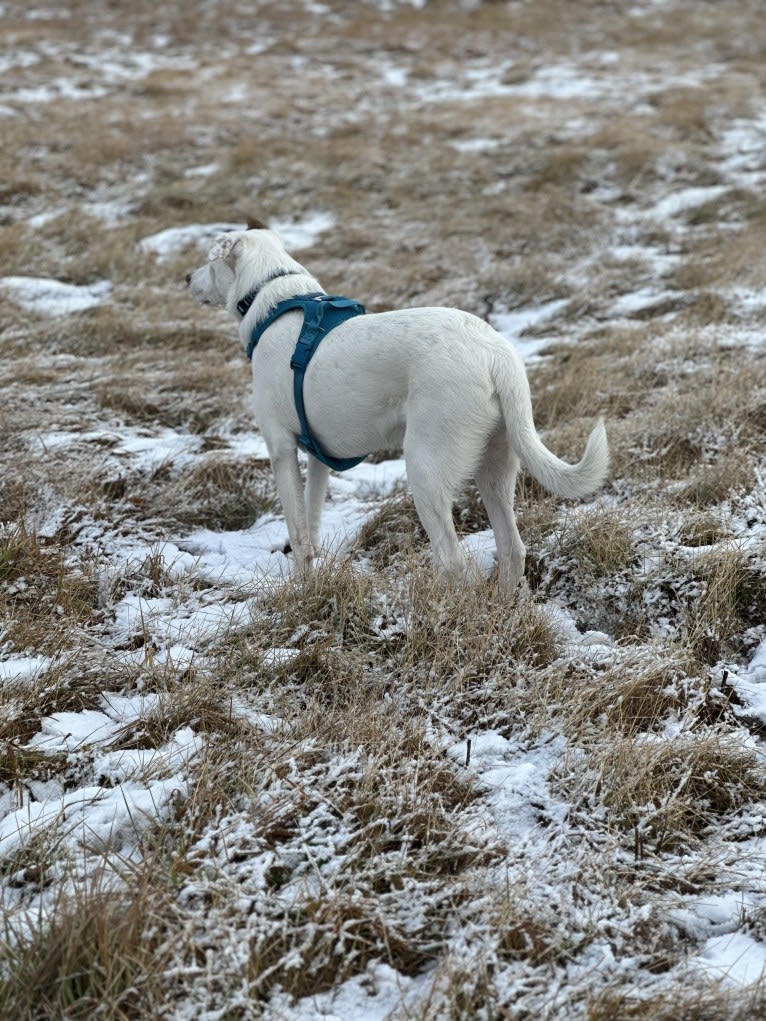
point(321, 313)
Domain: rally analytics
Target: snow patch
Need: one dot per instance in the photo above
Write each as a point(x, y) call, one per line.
point(52, 297)
point(170, 242)
point(516, 779)
point(167, 243)
point(750, 685)
point(23, 669)
point(513, 325)
point(373, 996)
point(685, 198)
point(170, 626)
point(303, 233)
point(736, 959)
point(93, 817)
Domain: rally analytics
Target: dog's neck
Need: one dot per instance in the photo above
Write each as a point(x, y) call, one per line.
point(271, 288)
point(243, 305)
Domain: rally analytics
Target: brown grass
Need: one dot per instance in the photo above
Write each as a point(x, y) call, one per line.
point(732, 596)
point(627, 699)
point(393, 530)
point(669, 793)
point(684, 1002)
point(41, 598)
point(91, 955)
point(329, 826)
point(602, 541)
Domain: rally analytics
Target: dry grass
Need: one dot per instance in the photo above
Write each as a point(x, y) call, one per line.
point(731, 598)
point(91, 956)
point(711, 484)
point(331, 825)
point(218, 493)
point(686, 1003)
point(602, 542)
point(666, 794)
point(394, 530)
point(628, 699)
point(42, 599)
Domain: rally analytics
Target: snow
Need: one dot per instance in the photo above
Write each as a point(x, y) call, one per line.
point(169, 242)
point(294, 233)
point(52, 297)
point(23, 669)
point(173, 757)
point(514, 324)
point(475, 144)
point(560, 82)
point(712, 914)
point(736, 958)
point(247, 445)
point(750, 685)
point(255, 555)
point(135, 785)
point(638, 301)
point(110, 818)
point(515, 778)
point(302, 233)
point(369, 480)
point(69, 732)
point(239, 558)
point(151, 448)
point(145, 448)
point(373, 996)
point(684, 199)
point(203, 170)
point(178, 627)
point(105, 69)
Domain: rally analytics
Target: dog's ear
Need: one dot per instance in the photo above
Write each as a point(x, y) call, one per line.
point(224, 247)
point(255, 224)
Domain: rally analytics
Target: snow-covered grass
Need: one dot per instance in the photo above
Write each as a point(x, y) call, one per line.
point(230, 793)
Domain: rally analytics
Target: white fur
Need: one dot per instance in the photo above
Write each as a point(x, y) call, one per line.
point(438, 382)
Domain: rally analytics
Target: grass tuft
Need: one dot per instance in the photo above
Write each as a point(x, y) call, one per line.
point(668, 794)
point(730, 597)
point(602, 542)
point(89, 958)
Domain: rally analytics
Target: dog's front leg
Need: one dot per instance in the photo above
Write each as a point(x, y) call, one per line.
point(317, 475)
point(284, 463)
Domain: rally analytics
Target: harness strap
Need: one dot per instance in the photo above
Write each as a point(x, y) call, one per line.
point(279, 310)
point(321, 313)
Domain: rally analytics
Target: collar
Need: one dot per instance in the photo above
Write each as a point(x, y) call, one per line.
point(243, 306)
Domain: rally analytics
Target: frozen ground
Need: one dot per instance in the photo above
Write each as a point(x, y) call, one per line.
point(407, 817)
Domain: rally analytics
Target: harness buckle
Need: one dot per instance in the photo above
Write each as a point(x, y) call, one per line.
point(302, 353)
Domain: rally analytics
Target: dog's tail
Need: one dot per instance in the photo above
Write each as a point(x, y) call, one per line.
point(566, 480)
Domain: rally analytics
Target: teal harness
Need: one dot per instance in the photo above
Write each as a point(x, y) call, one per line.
point(321, 313)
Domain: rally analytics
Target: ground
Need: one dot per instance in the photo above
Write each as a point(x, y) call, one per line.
point(229, 793)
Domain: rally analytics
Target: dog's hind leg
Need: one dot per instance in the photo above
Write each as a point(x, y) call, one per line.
point(317, 475)
point(496, 479)
point(433, 489)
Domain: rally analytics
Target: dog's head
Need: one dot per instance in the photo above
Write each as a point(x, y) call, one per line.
point(211, 283)
point(237, 257)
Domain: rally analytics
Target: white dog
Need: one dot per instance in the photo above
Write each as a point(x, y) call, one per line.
point(437, 382)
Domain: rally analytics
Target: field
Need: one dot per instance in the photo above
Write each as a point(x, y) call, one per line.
point(227, 793)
